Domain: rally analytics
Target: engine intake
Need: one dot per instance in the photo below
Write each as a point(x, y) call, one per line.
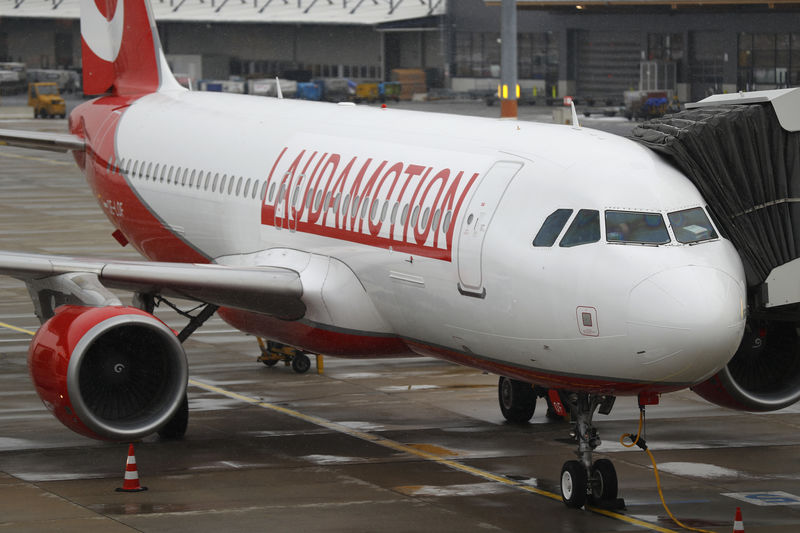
point(112, 373)
point(763, 375)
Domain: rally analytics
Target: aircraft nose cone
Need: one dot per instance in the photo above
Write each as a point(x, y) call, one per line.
point(692, 315)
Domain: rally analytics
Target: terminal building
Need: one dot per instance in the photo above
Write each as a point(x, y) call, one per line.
point(593, 49)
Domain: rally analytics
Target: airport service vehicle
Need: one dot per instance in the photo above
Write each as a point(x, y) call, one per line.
point(557, 256)
point(46, 100)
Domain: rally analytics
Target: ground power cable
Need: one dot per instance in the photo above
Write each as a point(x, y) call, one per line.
point(638, 440)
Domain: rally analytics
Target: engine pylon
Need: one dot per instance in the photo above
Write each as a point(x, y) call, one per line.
point(131, 482)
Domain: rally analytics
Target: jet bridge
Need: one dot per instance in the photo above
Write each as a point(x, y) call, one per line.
point(742, 151)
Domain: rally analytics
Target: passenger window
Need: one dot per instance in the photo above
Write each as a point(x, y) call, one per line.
point(691, 225)
point(208, 181)
point(404, 215)
point(373, 211)
point(230, 184)
point(239, 186)
point(163, 171)
point(637, 228)
point(271, 191)
point(246, 188)
point(552, 227)
point(384, 209)
point(185, 175)
point(135, 168)
point(263, 191)
point(394, 212)
point(191, 178)
point(585, 229)
point(415, 216)
point(446, 224)
point(317, 200)
point(222, 183)
point(364, 206)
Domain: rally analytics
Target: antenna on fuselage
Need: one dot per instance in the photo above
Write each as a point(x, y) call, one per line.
point(575, 123)
point(278, 87)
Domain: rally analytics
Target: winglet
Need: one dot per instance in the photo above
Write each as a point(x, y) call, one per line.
point(121, 49)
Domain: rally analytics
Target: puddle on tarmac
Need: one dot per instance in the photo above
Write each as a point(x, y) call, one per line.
point(132, 508)
point(700, 470)
point(472, 489)
point(406, 388)
point(331, 459)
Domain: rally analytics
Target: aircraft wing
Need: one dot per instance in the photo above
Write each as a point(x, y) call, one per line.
point(55, 142)
point(272, 291)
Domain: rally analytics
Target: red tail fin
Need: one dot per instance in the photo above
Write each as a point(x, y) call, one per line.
point(121, 49)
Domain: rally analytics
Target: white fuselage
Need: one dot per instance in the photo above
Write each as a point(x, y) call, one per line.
point(469, 286)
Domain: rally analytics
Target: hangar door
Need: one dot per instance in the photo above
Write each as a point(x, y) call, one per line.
point(608, 64)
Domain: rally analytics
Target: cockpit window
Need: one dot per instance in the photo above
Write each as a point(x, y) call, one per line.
point(636, 228)
point(551, 228)
point(691, 225)
point(583, 230)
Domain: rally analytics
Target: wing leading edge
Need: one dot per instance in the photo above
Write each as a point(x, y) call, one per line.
point(54, 142)
point(273, 291)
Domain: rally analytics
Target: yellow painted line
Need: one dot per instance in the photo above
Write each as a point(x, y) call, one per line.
point(427, 452)
point(15, 328)
point(416, 450)
point(38, 159)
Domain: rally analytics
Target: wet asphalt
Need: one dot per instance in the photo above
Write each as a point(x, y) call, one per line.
point(368, 445)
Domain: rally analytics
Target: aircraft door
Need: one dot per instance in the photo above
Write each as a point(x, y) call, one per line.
point(479, 215)
point(280, 202)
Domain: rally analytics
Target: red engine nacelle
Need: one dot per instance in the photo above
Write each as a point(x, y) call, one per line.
point(111, 373)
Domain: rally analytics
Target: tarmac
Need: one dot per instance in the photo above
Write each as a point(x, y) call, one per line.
point(398, 445)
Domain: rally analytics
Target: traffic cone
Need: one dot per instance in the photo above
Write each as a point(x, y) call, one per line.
point(131, 483)
point(738, 525)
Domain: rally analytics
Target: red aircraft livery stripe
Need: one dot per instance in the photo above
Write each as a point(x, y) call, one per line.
point(407, 207)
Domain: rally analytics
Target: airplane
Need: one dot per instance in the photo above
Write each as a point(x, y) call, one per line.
point(575, 264)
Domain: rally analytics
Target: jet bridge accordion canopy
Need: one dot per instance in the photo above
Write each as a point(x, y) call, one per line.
point(747, 167)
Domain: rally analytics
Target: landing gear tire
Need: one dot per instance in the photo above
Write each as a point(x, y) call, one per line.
point(301, 363)
point(517, 400)
point(573, 484)
point(604, 481)
point(270, 362)
point(176, 428)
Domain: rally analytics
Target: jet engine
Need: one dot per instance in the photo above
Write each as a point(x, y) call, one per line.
point(763, 375)
point(111, 373)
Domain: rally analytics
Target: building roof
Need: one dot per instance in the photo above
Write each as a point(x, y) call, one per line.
point(361, 12)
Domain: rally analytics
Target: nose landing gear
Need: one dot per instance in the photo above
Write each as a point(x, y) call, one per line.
point(582, 481)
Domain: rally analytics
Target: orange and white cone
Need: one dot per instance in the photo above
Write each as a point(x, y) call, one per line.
point(131, 483)
point(738, 525)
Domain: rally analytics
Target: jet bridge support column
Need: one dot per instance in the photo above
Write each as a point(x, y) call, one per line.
point(508, 91)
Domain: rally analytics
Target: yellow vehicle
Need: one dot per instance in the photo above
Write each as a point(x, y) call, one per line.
point(46, 100)
point(366, 92)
